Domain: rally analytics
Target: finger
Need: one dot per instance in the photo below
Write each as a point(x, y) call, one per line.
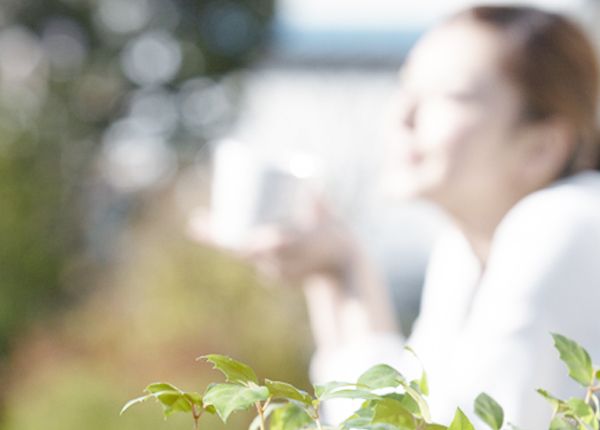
point(265, 241)
point(199, 227)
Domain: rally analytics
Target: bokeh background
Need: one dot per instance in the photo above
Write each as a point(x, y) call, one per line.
point(109, 112)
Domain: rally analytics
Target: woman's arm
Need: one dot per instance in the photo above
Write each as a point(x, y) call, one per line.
point(350, 303)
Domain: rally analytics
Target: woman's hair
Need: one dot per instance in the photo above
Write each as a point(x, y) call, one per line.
point(555, 65)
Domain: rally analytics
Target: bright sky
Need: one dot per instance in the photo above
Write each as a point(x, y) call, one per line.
point(382, 14)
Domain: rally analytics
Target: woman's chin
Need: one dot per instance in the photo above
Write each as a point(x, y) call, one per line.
point(403, 187)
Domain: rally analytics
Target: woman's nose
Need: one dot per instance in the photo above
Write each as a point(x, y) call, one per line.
point(407, 113)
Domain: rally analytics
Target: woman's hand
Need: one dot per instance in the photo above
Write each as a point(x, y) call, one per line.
point(293, 255)
point(345, 295)
point(323, 245)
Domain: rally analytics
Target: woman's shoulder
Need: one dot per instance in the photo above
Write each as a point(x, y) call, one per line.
point(570, 204)
point(553, 229)
point(550, 242)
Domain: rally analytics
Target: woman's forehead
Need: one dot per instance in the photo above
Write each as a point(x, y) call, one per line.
point(454, 52)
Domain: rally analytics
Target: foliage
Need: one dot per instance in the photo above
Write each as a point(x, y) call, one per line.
point(58, 105)
point(165, 304)
point(282, 406)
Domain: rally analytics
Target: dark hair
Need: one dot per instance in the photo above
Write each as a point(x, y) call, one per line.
point(555, 65)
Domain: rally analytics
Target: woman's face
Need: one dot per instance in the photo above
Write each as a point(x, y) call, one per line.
point(458, 118)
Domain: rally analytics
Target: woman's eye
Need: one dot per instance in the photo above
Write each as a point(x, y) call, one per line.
point(461, 96)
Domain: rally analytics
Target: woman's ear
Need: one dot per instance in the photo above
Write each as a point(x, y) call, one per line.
point(549, 151)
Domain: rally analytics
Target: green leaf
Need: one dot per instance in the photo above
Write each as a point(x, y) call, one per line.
point(194, 398)
point(157, 387)
point(418, 398)
point(227, 398)
point(435, 427)
point(489, 411)
point(414, 384)
point(380, 376)
point(598, 374)
point(321, 390)
point(460, 422)
point(583, 411)
point(390, 411)
point(361, 418)
point(170, 397)
point(407, 401)
point(576, 358)
point(562, 423)
point(289, 417)
point(349, 394)
point(422, 383)
point(283, 390)
point(557, 404)
point(235, 371)
point(172, 402)
point(596, 403)
point(380, 426)
point(134, 402)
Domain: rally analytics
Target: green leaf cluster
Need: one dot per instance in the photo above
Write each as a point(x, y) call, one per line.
point(281, 406)
point(171, 398)
point(576, 413)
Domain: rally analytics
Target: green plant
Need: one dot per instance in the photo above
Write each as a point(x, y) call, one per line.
point(281, 406)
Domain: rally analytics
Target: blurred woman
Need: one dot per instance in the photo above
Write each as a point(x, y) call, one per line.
point(497, 126)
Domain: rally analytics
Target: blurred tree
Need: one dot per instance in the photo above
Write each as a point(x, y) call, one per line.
point(72, 74)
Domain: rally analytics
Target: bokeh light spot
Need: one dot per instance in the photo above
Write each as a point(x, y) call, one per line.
point(152, 58)
point(65, 46)
point(121, 16)
point(132, 160)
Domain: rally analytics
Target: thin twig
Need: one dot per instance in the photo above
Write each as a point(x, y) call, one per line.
point(261, 414)
point(317, 419)
point(196, 416)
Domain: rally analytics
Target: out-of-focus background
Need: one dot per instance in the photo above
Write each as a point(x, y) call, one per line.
point(110, 111)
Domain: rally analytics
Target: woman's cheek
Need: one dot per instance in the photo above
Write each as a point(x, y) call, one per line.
point(445, 138)
point(451, 149)
point(441, 125)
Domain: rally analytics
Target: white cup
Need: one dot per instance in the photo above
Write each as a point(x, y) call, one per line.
point(249, 191)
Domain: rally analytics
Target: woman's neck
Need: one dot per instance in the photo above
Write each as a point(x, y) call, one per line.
point(478, 222)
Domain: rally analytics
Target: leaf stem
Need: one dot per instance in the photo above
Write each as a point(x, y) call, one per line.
point(318, 422)
point(317, 419)
point(261, 414)
point(267, 403)
point(196, 414)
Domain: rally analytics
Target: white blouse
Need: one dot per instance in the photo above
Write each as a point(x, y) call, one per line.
point(490, 330)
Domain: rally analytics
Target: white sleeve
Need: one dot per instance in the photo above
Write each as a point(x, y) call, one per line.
point(347, 362)
point(543, 276)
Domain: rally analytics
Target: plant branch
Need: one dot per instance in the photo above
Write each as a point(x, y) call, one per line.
point(317, 419)
point(267, 403)
point(261, 414)
point(196, 414)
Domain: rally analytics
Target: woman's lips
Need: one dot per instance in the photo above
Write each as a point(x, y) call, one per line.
point(412, 156)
